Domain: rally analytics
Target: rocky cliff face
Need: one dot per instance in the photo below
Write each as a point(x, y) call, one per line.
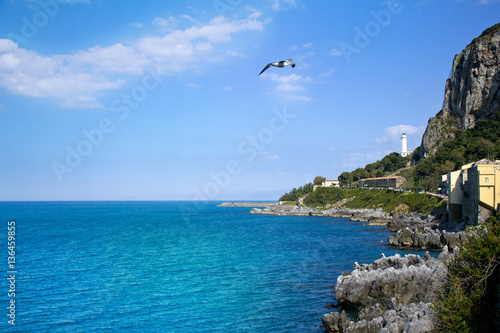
point(472, 91)
point(393, 294)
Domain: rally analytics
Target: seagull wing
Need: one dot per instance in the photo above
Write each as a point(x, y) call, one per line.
point(291, 62)
point(268, 65)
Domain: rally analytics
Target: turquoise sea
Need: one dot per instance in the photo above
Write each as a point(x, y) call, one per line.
point(174, 267)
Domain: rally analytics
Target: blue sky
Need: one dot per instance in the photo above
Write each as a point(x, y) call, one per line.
point(161, 100)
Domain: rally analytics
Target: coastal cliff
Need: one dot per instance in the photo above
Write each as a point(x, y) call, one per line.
point(395, 294)
point(471, 92)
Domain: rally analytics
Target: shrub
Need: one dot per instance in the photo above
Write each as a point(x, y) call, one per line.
point(468, 302)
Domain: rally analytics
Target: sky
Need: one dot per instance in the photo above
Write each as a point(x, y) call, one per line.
point(161, 100)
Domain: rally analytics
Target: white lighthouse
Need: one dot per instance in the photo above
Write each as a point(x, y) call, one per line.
point(404, 146)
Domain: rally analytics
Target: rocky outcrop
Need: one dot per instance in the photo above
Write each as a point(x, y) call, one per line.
point(427, 239)
point(359, 215)
point(393, 294)
point(275, 210)
point(414, 317)
point(471, 92)
point(438, 131)
point(411, 278)
point(248, 204)
point(413, 221)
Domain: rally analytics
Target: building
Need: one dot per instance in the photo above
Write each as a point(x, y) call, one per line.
point(474, 192)
point(395, 181)
point(328, 183)
point(404, 145)
point(334, 183)
point(455, 194)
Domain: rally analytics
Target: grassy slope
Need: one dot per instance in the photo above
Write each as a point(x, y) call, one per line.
point(388, 200)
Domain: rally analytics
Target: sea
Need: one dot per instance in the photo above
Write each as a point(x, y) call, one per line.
point(172, 266)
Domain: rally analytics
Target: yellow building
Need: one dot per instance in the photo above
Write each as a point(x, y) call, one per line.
point(474, 191)
point(455, 194)
point(489, 185)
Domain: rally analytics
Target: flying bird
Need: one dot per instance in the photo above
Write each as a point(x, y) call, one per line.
point(281, 63)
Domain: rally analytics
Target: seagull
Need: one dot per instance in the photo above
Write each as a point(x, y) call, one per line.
point(281, 63)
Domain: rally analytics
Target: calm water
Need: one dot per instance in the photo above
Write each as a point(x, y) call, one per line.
point(175, 267)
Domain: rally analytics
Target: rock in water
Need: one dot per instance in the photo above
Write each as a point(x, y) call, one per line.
point(393, 294)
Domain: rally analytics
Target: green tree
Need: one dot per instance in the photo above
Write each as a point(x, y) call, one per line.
point(319, 180)
point(344, 178)
point(296, 193)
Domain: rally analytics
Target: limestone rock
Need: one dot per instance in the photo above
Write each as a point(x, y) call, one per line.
point(393, 294)
point(411, 278)
point(336, 322)
point(427, 239)
point(471, 92)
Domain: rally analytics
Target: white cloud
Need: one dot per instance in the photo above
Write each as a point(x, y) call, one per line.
point(114, 59)
point(278, 5)
point(227, 88)
point(298, 98)
point(292, 78)
point(137, 25)
point(290, 87)
point(189, 18)
point(273, 157)
point(193, 85)
point(335, 53)
point(74, 1)
point(289, 83)
point(235, 54)
point(166, 24)
point(486, 2)
point(250, 137)
point(392, 137)
point(27, 73)
point(327, 74)
point(75, 80)
point(269, 156)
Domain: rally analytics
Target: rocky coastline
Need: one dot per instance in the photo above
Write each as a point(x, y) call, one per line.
point(247, 204)
point(357, 215)
point(392, 294)
point(395, 294)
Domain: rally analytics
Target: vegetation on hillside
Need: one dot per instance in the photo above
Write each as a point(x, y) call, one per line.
point(468, 302)
point(482, 141)
point(297, 193)
point(466, 146)
point(487, 32)
point(388, 200)
point(386, 165)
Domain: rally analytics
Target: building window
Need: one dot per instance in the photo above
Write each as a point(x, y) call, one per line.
point(486, 179)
